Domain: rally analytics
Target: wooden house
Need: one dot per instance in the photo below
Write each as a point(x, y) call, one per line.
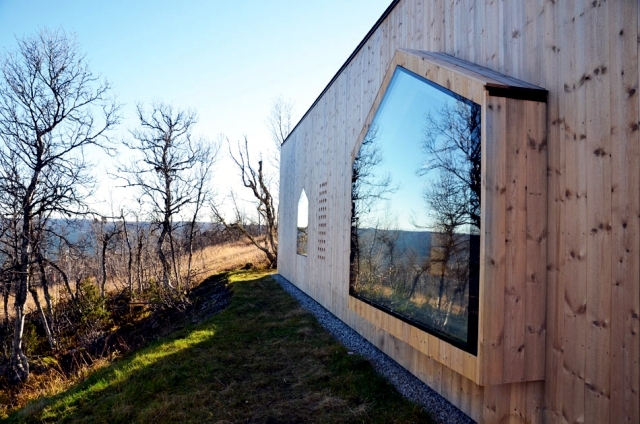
point(546, 301)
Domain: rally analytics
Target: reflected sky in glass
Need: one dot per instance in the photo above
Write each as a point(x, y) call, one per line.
point(400, 122)
point(400, 125)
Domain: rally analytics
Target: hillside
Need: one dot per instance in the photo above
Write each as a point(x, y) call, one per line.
point(263, 359)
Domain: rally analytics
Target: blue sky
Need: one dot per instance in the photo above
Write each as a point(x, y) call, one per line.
point(227, 60)
point(400, 129)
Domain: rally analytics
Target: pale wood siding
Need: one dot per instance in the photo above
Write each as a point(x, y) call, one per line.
point(585, 53)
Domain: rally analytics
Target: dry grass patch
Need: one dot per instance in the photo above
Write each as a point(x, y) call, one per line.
point(210, 260)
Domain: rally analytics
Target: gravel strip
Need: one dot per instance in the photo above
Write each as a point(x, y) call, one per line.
point(405, 382)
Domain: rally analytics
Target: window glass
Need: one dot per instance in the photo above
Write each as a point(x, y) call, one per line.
point(416, 209)
point(303, 224)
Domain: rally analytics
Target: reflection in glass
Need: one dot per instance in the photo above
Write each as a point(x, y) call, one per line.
point(303, 224)
point(416, 209)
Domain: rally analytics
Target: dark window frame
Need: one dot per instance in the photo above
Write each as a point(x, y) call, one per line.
point(471, 344)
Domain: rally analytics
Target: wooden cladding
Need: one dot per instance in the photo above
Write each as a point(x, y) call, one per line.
point(512, 293)
point(585, 53)
point(513, 249)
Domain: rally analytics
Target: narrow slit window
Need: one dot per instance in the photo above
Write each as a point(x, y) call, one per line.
point(303, 224)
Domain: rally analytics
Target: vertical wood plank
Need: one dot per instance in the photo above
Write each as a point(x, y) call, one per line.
point(625, 210)
point(447, 14)
point(533, 43)
point(554, 22)
point(515, 215)
point(492, 253)
point(598, 163)
point(575, 221)
point(536, 242)
point(513, 36)
point(496, 403)
point(518, 402)
point(534, 412)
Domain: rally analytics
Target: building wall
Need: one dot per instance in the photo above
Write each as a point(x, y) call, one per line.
point(586, 54)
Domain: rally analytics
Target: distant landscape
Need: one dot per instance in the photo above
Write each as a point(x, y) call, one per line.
point(406, 243)
point(416, 275)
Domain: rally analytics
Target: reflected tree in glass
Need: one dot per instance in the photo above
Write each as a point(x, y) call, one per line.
point(415, 245)
point(451, 146)
point(368, 187)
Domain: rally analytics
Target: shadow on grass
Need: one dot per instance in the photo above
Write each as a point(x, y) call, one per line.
point(263, 359)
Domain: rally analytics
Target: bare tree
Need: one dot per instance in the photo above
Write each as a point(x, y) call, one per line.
point(127, 240)
point(48, 104)
point(141, 237)
point(280, 124)
point(280, 119)
point(368, 187)
point(253, 177)
point(202, 194)
point(451, 145)
point(40, 253)
point(450, 248)
point(258, 177)
point(106, 232)
point(165, 173)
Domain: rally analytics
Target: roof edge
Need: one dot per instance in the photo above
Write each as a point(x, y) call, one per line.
point(366, 38)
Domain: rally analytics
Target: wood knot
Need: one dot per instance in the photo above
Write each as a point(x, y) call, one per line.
point(599, 324)
point(543, 145)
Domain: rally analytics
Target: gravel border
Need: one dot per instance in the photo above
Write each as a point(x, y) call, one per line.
point(406, 383)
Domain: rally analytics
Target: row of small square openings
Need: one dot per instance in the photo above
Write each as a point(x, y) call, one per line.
point(322, 221)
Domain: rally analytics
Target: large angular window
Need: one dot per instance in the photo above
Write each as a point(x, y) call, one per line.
point(415, 227)
point(448, 223)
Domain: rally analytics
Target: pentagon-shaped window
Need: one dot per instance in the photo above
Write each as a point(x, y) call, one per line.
point(416, 189)
point(303, 224)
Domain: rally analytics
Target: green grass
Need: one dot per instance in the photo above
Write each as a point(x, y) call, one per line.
point(263, 359)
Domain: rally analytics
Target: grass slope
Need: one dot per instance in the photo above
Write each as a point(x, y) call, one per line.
point(264, 359)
